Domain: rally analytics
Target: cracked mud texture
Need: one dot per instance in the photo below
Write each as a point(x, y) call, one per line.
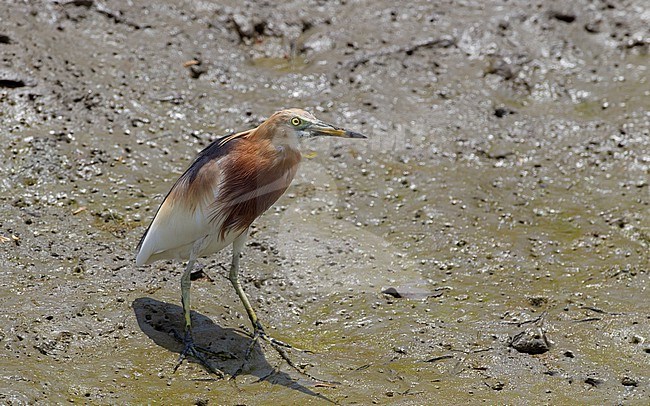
point(502, 196)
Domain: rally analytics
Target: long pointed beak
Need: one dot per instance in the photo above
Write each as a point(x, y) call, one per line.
point(323, 129)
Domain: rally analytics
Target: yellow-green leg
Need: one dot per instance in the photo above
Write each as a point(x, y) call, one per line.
point(237, 247)
point(258, 329)
point(188, 341)
point(186, 283)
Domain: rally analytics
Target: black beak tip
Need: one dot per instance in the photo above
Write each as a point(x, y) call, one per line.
point(352, 134)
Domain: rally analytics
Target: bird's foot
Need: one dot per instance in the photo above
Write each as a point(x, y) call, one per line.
point(195, 351)
point(280, 347)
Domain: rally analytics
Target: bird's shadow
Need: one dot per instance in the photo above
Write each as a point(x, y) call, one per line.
point(160, 320)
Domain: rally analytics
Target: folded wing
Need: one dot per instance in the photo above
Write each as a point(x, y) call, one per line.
point(185, 214)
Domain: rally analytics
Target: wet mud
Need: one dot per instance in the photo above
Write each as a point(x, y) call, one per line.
point(489, 242)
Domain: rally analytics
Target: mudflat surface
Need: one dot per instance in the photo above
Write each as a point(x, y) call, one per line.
point(503, 194)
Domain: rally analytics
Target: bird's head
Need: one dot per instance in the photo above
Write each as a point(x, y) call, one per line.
point(287, 126)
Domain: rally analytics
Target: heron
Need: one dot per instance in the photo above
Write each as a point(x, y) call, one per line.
point(231, 182)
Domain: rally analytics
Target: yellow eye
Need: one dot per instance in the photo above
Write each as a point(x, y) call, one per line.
point(296, 121)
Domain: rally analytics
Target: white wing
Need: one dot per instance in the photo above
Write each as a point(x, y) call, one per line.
point(184, 216)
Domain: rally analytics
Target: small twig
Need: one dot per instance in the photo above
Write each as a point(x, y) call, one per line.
point(79, 210)
point(466, 352)
point(173, 99)
point(521, 323)
point(444, 42)
point(481, 350)
point(440, 358)
point(588, 319)
point(117, 268)
point(594, 309)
